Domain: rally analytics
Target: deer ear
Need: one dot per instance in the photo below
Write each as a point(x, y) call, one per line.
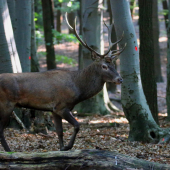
point(93, 55)
point(104, 67)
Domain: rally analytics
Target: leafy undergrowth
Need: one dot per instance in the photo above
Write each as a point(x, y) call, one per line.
point(108, 132)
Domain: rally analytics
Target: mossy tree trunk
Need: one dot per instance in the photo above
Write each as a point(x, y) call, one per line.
point(75, 160)
point(142, 125)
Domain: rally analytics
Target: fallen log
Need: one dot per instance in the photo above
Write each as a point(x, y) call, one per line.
point(75, 160)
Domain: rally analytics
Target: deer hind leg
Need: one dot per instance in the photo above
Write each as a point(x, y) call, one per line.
point(4, 120)
point(67, 115)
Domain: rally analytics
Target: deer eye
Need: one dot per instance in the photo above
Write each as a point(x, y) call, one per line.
point(104, 67)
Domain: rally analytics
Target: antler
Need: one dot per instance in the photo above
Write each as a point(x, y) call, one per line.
point(94, 53)
point(84, 43)
point(113, 54)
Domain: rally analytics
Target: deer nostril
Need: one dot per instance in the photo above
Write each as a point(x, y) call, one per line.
point(120, 80)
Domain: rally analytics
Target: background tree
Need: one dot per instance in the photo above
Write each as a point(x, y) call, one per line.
point(168, 68)
point(92, 28)
point(48, 22)
point(165, 12)
point(22, 32)
point(147, 55)
point(110, 86)
point(142, 125)
point(132, 7)
point(10, 62)
point(34, 58)
point(155, 27)
point(58, 17)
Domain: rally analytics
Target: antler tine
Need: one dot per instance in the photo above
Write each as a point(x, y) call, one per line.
point(70, 27)
point(109, 38)
point(110, 27)
point(115, 55)
point(74, 30)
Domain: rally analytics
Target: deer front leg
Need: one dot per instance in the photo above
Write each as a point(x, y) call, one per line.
point(67, 115)
point(59, 128)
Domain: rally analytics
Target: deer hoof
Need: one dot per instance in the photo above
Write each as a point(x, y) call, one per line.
point(65, 148)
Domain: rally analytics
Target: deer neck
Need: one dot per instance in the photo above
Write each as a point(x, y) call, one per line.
point(89, 82)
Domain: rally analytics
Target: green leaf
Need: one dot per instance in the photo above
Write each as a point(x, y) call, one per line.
point(66, 37)
point(65, 59)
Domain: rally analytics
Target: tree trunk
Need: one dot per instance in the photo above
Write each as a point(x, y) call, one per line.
point(10, 62)
point(168, 69)
point(75, 160)
point(147, 55)
point(142, 125)
point(110, 86)
point(48, 22)
point(157, 60)
point(165, 7)
point(58, 17)
point(11, 7)
point(34, 59)
point(22, 32)
point(132, 7)
point(80, 53)
point(93, 35)
point(109, 11)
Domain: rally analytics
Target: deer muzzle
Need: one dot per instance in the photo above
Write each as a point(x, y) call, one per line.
point(118, 80)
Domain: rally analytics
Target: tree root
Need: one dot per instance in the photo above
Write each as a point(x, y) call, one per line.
point(108, 104)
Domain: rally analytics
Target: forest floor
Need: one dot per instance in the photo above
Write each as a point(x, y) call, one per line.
point(109, 132)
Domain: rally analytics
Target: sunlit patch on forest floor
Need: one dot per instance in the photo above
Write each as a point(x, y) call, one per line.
point(108, 132)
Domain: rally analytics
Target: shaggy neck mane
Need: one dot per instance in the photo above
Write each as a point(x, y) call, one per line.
point(89, 81)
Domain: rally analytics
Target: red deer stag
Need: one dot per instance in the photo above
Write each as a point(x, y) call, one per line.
point(57, 91)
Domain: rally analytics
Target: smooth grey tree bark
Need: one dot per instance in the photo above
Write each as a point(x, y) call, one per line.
point(142, 125)
point(11, 7)
point(110, 86)
point(168, 69)
point(10, 62)
point(22, 32)
point(8, 53)
point(93, 35)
